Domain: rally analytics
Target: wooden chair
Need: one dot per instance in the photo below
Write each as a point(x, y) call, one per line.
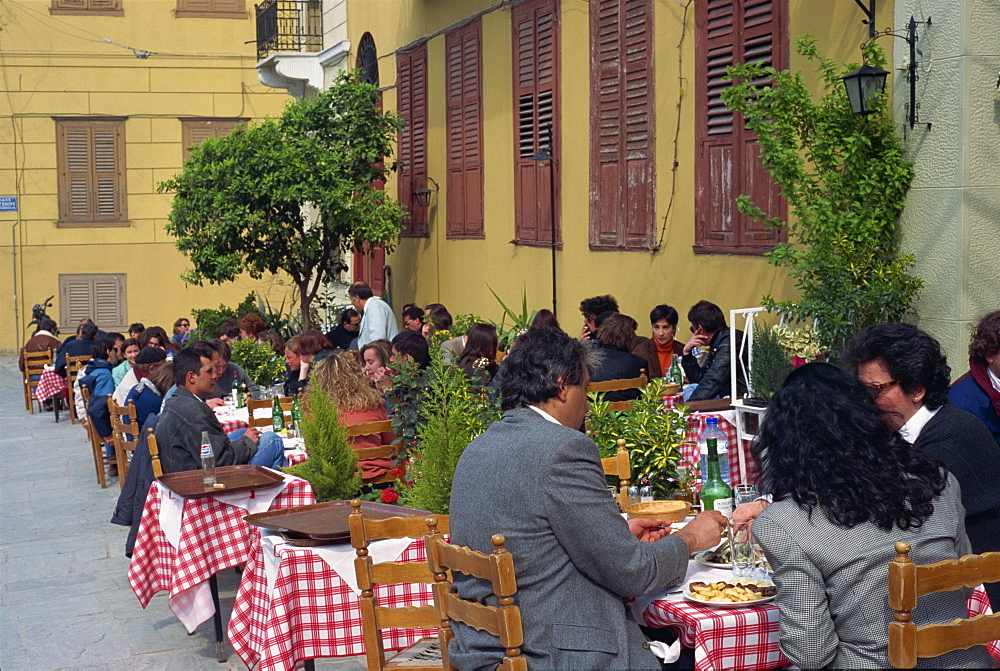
point(620, 467)
point(503, 621)
point(125, 434)
point(260, 420)
point(388, 451)
point(907, 581)
point(97, 445)
point(620, 385)
point(620, 406)
point(34, 365)
point(74, 366)
point(374, 618)
point(154, 453)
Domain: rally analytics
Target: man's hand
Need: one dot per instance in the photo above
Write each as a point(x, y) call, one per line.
point(585, 333)
point(649, 531)
point(699, 339)
point(703, 532)
point(215, 402)
point(253, 434)
point(746, 513)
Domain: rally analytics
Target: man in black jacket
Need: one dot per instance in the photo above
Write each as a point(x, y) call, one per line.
point(185, 416)
point(711, 377)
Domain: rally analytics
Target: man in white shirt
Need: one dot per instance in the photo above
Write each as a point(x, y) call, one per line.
point(377, 320)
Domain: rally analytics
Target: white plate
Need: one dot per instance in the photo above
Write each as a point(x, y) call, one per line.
point(729, 604)
point(700, 558)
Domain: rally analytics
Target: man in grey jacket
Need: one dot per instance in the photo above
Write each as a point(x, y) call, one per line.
point(538, 481)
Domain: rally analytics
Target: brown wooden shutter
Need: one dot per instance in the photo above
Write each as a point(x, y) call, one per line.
point(622, 138)
point(464, 134)
point(105, 4)
point(412, 87)
point(91, 160)
point(97, 296)
point(536, 77)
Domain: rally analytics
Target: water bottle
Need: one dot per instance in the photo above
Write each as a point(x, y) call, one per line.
point(712, 430)
point(207, 461)
point(236, 392)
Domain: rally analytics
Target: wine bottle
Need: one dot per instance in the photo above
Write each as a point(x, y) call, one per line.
point(715, 493)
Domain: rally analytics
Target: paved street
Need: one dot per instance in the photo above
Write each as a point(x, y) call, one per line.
point(65, 602)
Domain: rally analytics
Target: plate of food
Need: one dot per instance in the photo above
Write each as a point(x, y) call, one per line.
point(734, 593)
point(720, 557)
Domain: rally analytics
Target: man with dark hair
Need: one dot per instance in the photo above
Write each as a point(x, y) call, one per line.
point(185, 415)
point(660, 351)
point(710, 378)
point(411, 345)
point(226, 371)
point(534, 477)
point(978, 391)
point(377, 320)
point(136, 329)
point(347, 331)
point(86, 332)
point(43, 340)
point(591, 308)
point(229, 331)
point(413, 319)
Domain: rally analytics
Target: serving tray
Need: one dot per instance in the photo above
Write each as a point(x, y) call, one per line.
point(325, 521)
point(240, 478)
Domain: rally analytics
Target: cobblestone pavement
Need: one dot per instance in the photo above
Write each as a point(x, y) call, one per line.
point(65, 602)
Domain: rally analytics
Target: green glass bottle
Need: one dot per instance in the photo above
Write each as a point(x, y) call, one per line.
point(715, 493)
point(277, 416)
point(675, 376)
point(296, 411)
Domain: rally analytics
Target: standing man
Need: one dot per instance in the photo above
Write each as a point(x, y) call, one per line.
point(185, 415)
point(710, 378)
point(377, 320)
point(535, 478)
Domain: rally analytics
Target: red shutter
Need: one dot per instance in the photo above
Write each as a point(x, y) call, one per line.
point(411, 79)
point(463, 48)
point(536, 67)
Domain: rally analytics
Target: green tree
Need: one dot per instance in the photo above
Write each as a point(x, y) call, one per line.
point(241, 203)
point(845, 179)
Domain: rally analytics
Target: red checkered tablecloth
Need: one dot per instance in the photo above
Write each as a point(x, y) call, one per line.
point(744, 638)
point(696, 425)
point(311, 612)
point(213, 537)
point(49, 385)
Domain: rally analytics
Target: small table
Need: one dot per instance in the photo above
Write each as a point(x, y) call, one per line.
point(742, 638)
point(310, 611)
point(212, 537)
point(49, 386)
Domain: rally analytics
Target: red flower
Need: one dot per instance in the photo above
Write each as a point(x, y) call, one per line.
point(396, 473)
point(389, 495)
point(798, 361)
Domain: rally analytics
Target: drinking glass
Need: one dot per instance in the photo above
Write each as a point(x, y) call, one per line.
point(633, 495)
point(645, 494)
point(744, 556)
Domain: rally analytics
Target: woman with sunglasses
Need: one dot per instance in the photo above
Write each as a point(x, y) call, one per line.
point(905, 372)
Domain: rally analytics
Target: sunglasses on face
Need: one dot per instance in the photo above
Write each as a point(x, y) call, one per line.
point(876, 389)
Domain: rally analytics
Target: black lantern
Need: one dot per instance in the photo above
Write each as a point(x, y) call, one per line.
point(422, 197)
point(863, 85)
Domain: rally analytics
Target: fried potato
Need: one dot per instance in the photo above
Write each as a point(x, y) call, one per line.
point(744, 589)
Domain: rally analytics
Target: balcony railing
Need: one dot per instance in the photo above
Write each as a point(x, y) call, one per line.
point(289, 25)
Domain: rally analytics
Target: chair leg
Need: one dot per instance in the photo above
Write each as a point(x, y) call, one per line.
point(122, 462)
point(98, 447)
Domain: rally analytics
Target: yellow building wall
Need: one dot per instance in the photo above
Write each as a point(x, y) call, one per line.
point(198, 67)
point(459, 273)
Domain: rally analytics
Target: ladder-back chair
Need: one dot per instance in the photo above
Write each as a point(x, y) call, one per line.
point(125, 434)
point(97, 445)
point(620, 385)
point(620, 467)
point(264, 420)
point(74, 367)
point(383, 451)
point(34, 366)
point(154, 453)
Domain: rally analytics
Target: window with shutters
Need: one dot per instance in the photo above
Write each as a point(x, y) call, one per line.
point(211, 9)
point(100, 297)
point(193, 131)
point(90, 154)
point(727, 159)
point(411, 85)
point(622, 141)
point(535, 33)
point(88, 7)
point(463, 63)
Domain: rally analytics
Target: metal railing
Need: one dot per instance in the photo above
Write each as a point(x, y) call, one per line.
point(289, 25)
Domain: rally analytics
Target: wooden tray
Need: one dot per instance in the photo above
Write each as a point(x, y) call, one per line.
point(242, 478)
point(325, 521)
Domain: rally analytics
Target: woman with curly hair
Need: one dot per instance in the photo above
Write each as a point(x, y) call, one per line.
point(905, 372)
point(478, 359)
point(340, 376)
point(845, 488)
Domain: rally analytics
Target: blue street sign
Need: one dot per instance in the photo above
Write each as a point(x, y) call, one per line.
point(8, 203)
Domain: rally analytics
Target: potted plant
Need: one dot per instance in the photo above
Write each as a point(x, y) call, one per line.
point(259, 361)
point(332, 467)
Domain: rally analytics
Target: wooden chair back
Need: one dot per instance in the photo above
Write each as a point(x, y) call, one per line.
point(907, 581)
point(96, 444)
point(34, 365)
point(264, 420)
point(154, 453)
point(125, 434)
point(385, 451)
point(375, 618)
point(74, 365)
point(503, 621)
point(620, 467)
point(620, 385)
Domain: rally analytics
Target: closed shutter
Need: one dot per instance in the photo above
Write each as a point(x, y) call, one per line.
point(465, 141)
point(91, 162)
point(622, 207)
point(106, 7)
point(105, 4)
point(195, 131)
point(536, 68)
point(411, 78)
point(225, 8)
point(101, 297)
